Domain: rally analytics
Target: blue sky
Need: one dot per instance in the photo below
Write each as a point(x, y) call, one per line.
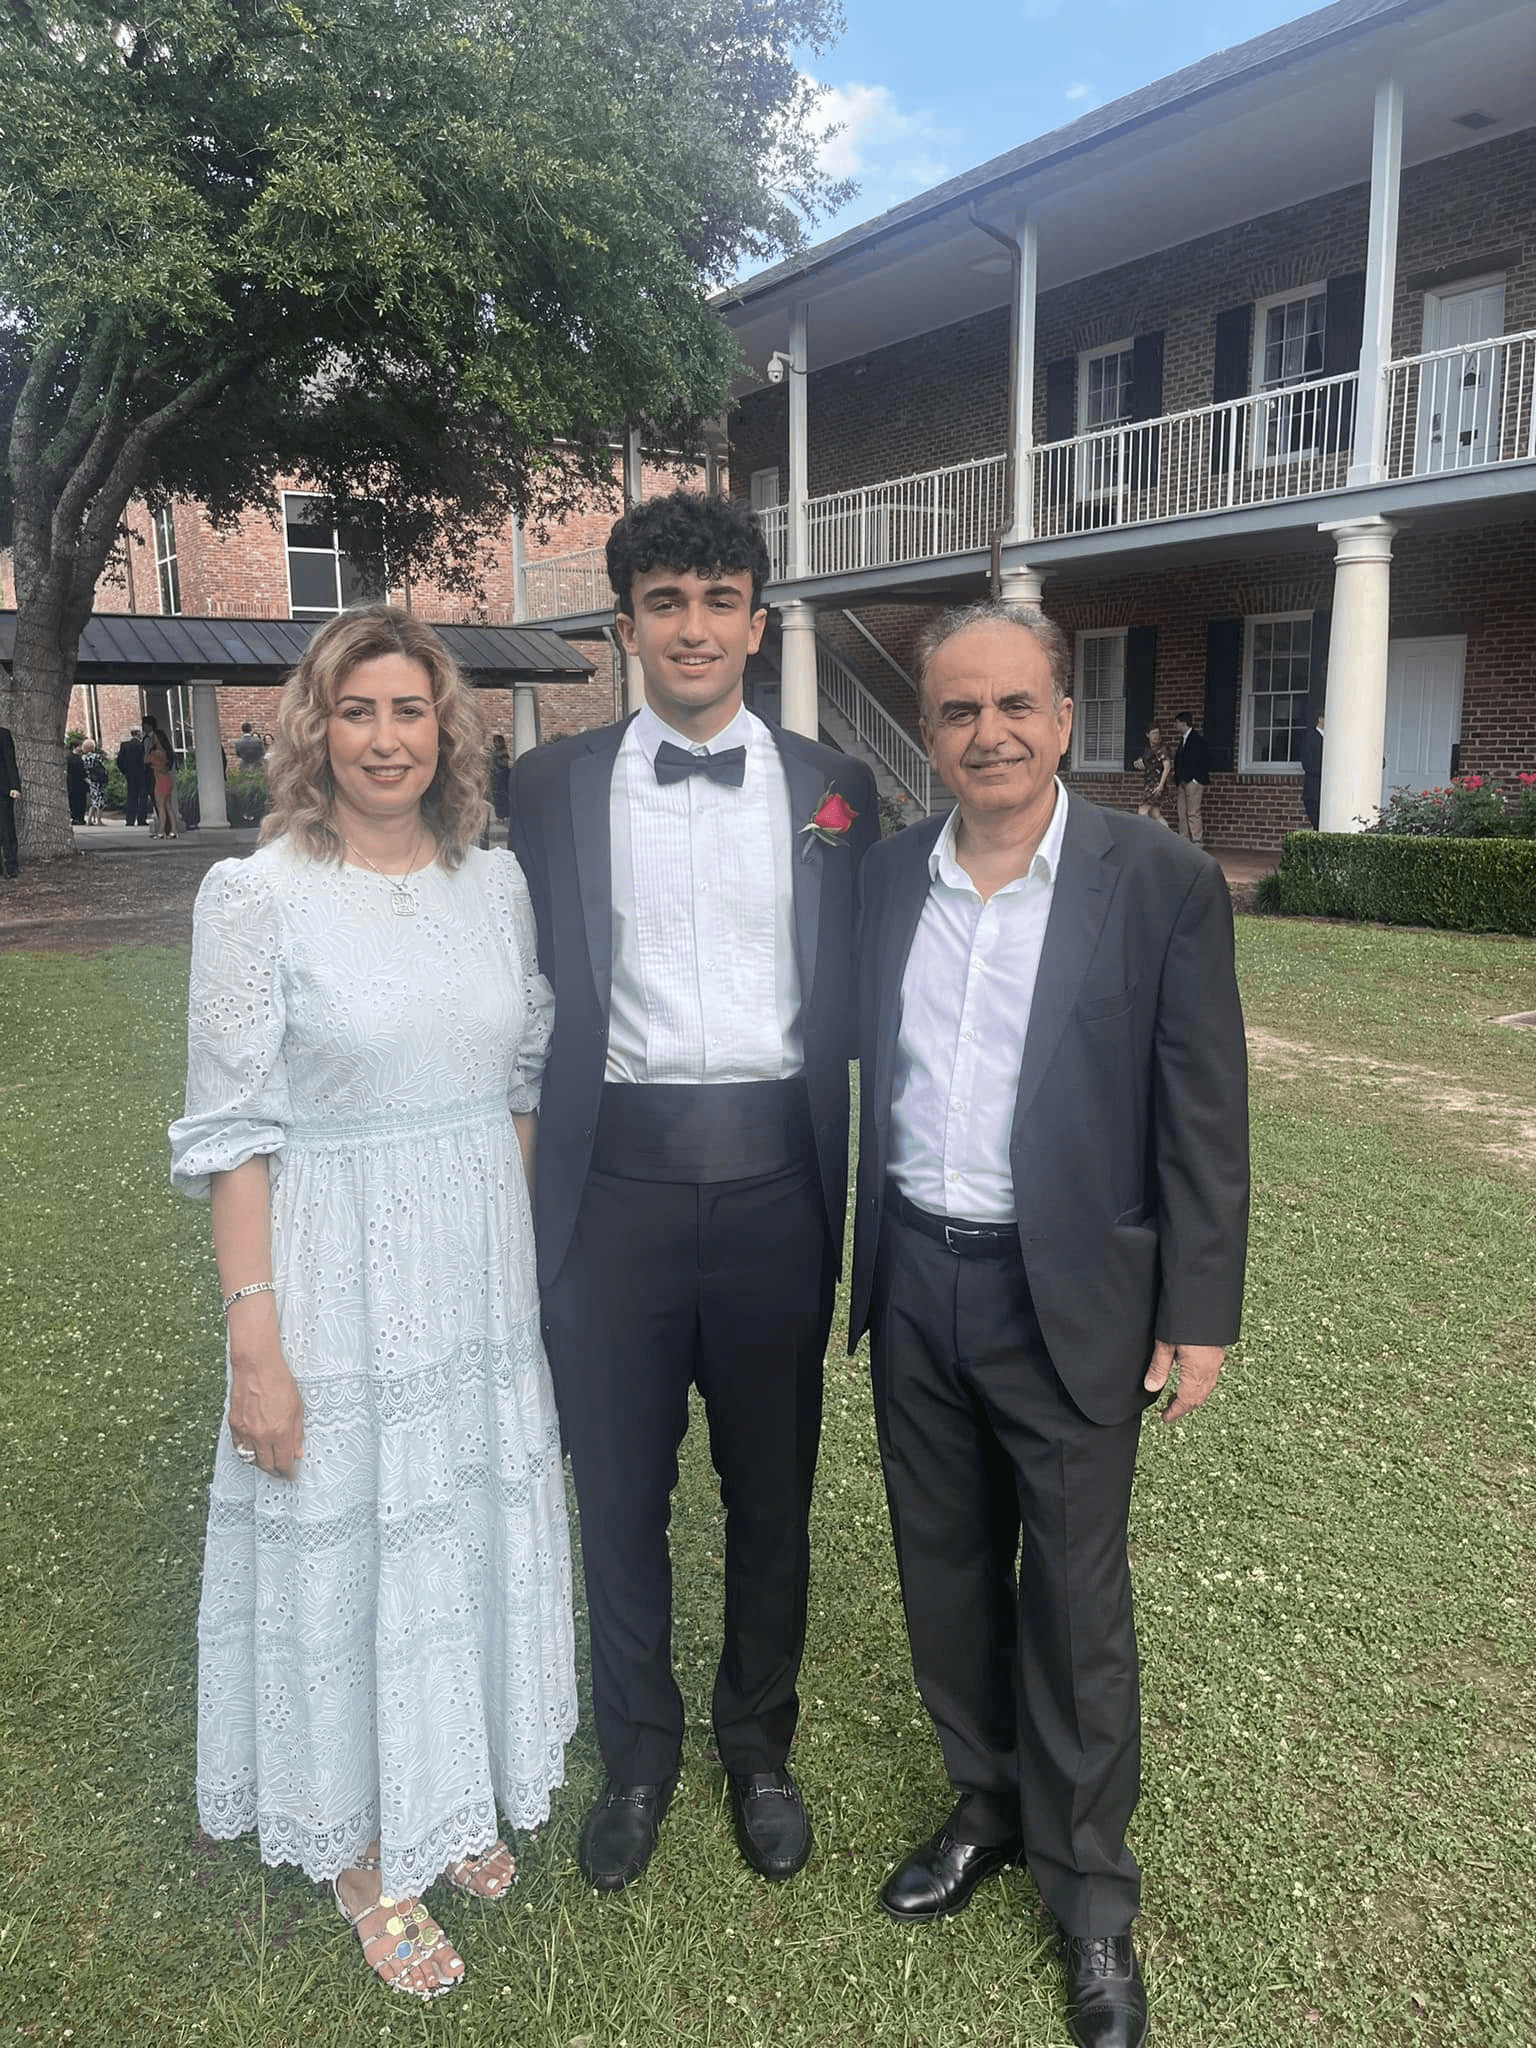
point(926, 88)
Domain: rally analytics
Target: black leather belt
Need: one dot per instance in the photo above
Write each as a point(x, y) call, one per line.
point(966, 1240)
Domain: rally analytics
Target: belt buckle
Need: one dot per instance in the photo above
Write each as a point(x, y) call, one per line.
point(954, 1230)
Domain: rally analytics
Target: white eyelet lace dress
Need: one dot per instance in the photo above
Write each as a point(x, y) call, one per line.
point(385, 1641)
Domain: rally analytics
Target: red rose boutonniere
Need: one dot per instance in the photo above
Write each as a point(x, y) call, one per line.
point(829, 822)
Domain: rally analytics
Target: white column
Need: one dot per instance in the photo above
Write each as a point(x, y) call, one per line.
point(634, 475)
point(1023, 586)
point(1022, 425)
point(525, 720)
point(1368, 463)
point(212, 815)
point(1357, 673)
point(797, 670)
point(799, 556)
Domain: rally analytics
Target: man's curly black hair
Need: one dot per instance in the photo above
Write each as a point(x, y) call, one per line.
point(686, 531)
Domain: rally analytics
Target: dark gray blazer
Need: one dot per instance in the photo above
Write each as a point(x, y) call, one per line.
point(560, 834)
point(1130, 1125)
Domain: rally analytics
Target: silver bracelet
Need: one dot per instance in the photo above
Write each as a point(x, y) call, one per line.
point(256, 1287)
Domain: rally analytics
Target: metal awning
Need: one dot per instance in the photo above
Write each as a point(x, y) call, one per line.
point(130, 647)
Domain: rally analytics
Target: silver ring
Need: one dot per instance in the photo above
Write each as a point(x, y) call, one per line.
point(245, 1454)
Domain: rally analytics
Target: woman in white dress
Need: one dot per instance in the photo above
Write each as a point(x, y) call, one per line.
point(385, 1640)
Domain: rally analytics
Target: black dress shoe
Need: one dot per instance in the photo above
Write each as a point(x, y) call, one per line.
point(773, 1832)
point(1106, 1999)
point(937, 1879)
point(620, 1832)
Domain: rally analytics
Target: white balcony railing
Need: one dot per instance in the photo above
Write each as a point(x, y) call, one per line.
point(1469, 407)
point(876, 728)
point(1462, 408)
point(560, 586)
point(951, 511)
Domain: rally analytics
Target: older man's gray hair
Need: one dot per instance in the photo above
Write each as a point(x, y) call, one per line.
point(996, 611)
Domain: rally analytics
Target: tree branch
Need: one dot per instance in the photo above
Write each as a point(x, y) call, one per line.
point(84, 411)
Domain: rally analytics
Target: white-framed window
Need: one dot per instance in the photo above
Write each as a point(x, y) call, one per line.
point(1104, 378)
point(165, 563)
point(764, 485)
point(1098, 719)
point(1289, 332)
point(322, 576)
point(1277, 683)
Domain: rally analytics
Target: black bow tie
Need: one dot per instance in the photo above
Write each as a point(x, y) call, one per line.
point(729, 766)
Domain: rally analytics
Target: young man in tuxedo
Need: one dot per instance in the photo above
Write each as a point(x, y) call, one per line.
point(1052, 1214)
point(693, 877)
point(1191, 774)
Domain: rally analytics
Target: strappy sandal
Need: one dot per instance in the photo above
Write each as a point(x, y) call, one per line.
point(490, 1875)
point(404, 1939)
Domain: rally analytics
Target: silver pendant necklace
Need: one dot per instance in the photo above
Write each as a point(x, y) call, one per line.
point(402, 900)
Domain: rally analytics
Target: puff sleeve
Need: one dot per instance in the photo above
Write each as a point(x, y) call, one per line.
point(513, 911)
point(237, 1082)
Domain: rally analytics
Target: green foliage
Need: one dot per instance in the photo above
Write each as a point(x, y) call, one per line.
point(245, 796)
point(1472, 885)
point(1469, 807)
point(1336, 1581)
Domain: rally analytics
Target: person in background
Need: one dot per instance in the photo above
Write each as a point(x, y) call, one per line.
point(501, 777)
point(385, 1640)
point(1312, 771)
point(10, 796)
point(160, 767)
point(76, 783)
point(95, 765)
point(1191, 773)
point(1156, 770)
point(250, 749)
point(130, 765)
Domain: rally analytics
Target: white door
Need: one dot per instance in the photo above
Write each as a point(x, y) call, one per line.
point(1423, 712)
point(1458, 421)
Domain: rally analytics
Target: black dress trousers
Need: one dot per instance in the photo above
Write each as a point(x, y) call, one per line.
point(1009, 1510)
point(729, 1285)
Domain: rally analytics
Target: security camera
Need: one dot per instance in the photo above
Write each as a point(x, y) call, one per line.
point(779, 367)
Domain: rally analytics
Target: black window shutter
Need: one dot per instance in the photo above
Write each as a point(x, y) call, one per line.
point(1317, 674)
point(1343, 331)
point(1061, 419)
point(1223, 682)
point(1146, 404)
point(1230, 379)
point(1140, 687)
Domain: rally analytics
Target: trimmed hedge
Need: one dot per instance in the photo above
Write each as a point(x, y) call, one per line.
point(1464, 885)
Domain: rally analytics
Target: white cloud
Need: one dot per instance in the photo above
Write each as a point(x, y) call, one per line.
point(1079, 92)
point(893, 152)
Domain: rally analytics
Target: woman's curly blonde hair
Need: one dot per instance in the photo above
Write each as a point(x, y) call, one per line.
point(299, 779)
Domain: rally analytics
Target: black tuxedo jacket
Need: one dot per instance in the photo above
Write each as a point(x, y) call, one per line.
point(1130, 1124)
point(560, 834)
point(9, 778)
point(130, 760)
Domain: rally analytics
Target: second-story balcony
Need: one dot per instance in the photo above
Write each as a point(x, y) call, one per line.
point(1469, 408)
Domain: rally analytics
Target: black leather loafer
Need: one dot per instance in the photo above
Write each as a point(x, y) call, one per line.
point(1106, 1999)
point(620, 1832)
point(939, 1876)
point(773, 1832)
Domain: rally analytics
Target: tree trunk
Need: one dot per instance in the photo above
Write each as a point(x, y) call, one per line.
point(36, 704)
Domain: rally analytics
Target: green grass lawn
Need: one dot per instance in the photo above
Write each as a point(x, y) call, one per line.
point(1336, 1571)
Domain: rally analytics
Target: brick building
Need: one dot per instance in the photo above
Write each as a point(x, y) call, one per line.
point(1237, 376)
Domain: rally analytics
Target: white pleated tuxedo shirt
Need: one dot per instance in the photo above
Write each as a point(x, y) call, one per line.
point(706, 987)
point(966, 996)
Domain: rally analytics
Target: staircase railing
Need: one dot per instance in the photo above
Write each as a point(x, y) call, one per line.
point(886, 740)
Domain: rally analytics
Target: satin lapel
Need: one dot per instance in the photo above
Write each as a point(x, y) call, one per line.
point(1085, 887)
point(807, 787)
point(909, 892)
point(591, 781)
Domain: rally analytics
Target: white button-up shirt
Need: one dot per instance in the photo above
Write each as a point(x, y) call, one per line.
point(706, 987)
point(966, 996)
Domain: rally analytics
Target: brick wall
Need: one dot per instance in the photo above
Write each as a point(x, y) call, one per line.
point(939, 399)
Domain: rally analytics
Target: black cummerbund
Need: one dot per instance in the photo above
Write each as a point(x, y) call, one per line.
point(733, 1130)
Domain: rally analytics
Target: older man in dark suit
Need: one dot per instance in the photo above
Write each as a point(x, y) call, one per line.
point(693, 876)
point(10, 794)
point(1052, 1214)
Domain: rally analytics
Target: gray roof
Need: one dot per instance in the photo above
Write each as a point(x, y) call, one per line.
point(129, 647)
point(1271, 51)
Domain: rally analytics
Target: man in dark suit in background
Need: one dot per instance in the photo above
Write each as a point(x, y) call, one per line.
point(1191, 774)
point(1052, 1214)
point(693, 877)
point(130, 765)
point(1312, 771)
point(10, 792)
